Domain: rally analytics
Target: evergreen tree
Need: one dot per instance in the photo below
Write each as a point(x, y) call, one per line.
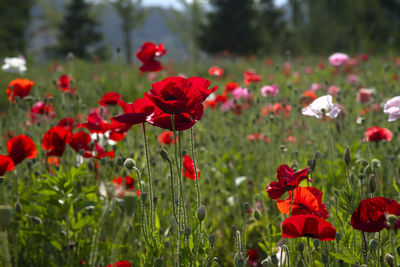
point(78, 30)
point(14, 18)
point(131, 17)
point(232, 26)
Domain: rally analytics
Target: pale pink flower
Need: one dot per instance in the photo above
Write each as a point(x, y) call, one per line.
point(308, 70)
point(152, 76)
point(240, 92)
point(392, 107)
point(315, 87)
point(333, 90)
point(269, 90)
point(287, 65)
point(182, 75)
point(228, 105)
point(352, 79)
point(338, 59)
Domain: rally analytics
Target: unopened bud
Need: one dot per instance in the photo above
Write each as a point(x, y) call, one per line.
point(246, 206)
point(18, 207)
point(129, 164)
point(274, 259)
point(1, 179)
point(257, 214)
point(130, 199)
point(211, 239)
point(143, 196)
point(392, 219)
point(5, 216)
point(164, 154)
point(324, 258)
point(389, 259)
point(376, 163)
point(338, 237)
point(373, 244)
point(361, 176)
point(347, 156)
point(294, 166)
point(266, 262)
point(282, 148)
point(188, 232)
point(36, 220)
point(312, 163)
point(300, 247)
point(316, 243)
point(158, 262)
point(201, 213)
point(372, 183)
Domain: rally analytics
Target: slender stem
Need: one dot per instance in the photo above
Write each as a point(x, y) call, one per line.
point(143, 222)
point(96, 235)
point(291, 203)
point(365, 250)
point(196, 246)
point(5, 250)
point(392, 245)
point(195, 167)
point(284, 247)
point(172, 191)
point(150, 178)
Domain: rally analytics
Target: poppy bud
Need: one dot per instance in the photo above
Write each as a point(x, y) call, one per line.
point(143, 196)
point(36, 220)
point(164, 154)
point(294, 166)
point(392, 219)
point(155, 200)
point(282, 148)
point(338, 237)
point(389, 259)
point(129, 164)
point(300, 247)
point(372, 183)
point(18, 206)
point(201, 213)
point(211, 240)
point(246, 206)
point(316, 243)
point(120, 161)
point(266, 262)
point(257, 214)
point(347, 156)
point(324, 258)
point(341, 263)
point(376, 163)
point(5, 216)
point(239, 262)
point(274, 259)
point(167, 244)
point(361, 176)
point(317, 155)
point(158, 262)
point(373, 244)
point(118, 50)
point(130, 199)
point(312, 163)
point(188, 232)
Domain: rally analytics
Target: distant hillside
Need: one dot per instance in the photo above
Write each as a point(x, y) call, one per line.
point(154, 29)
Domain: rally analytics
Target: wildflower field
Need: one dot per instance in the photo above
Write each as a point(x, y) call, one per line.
point(231, 162)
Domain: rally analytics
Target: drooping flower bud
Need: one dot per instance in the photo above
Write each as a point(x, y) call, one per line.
point(300, 247)
point(257, 214)
point(164, 154)
point(201, 213)
point(294, 166)
point(316, 243)
point(129, 164)
point(373, 244)
point(392, 219)
point(389, 259)
point(211, 240)
point(372, 183)
point(347, 156)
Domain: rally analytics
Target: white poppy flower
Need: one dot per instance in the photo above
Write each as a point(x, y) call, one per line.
point(322, 103)
point(14, 65)
point(392, 107)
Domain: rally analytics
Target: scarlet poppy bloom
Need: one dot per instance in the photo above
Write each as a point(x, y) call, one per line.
point(120, 264)
point(95, 123)
point(19, 87)
point(68, 123)
point(307, 98)
point(64, 83)
point(21, 147)
point(287, 181)
point(146, 54)
point(376, 134)
point(40, 110)
point(123, 183)
point(370, 216)
point(110, 98)
point(6, 164)
point(136, 112)
point(230, 86)
point(306, 200)
point(251, 76)
point(166, 138)
point(101, 153)
point(80, 141)
point(216, 71)
point(182, 121)
point(188, 168)
point(55, 140)
point(253, 257)
point(177, 95)
point(308, 226)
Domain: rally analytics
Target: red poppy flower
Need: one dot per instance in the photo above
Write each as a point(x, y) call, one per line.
point(55, 140)
point(6, 164)
point(182, 121)
point(95, 123)
point(68, 123)
point(253, 257)
point(216, 71)
point(306, 200)
point(64, 83)
point(21, 147)
point(287, 181)
point(230, 86)
point(19, 87)
point(146, 55)
point(177, 95)
point(120, 264)
point(376, 134)
point(110, 98)
point(308, 226)
point(80, 141)
point(123, 183)
point(188, 168)
point(251, 76)
point(370, 215)
point(307, 98)
point(136, 112)
point(101, 153)
point(166, 138)
point(40, 110)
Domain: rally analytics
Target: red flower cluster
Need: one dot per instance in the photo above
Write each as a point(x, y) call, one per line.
point(376, 134)
point(146, 55)
point(251, 76)
point(371, 215)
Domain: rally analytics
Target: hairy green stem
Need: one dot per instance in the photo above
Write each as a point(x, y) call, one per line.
point(146, 146)
point(195, 167)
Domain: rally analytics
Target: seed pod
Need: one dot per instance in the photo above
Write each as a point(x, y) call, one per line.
point(201, 213)
point(347, 156)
